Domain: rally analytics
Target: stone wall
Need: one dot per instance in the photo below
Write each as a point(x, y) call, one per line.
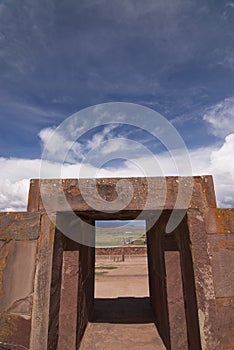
point(126, 250)
point(220, 231)
point(18, 246)
point(47, 279)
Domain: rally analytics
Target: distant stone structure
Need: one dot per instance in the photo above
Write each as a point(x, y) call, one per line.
point(47, 279)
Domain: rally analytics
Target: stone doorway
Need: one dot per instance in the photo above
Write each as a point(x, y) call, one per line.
point(171, 284)
point(184, 252)
point(122, 317)
point(53, 307)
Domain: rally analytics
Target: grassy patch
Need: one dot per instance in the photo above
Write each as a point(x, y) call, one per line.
point(118, 236)
point(106, 267)
point(138, 242)
point(100, 273)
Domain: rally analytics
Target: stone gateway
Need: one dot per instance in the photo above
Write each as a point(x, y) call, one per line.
point(41, 308)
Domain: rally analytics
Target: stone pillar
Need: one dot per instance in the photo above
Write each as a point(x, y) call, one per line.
point(64, 286)
point(220, 235)
point(67, 335)
point(175, 297)
point(157, 279)
point(204, 287)
point(42, 283)
point(18, 244)
point(189, 289)
point(86, 280)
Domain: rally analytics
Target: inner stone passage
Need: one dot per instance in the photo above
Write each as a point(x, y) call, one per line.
point(122, 323)
point(139, 295)
point(122, 317)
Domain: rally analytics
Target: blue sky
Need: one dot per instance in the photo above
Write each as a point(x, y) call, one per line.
point(58, 57)
point(139, 223)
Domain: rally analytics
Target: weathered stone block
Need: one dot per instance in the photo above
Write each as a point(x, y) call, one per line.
point(176, 307)
point(69, 301)
point(221, 250)
point(203, 277)
point(143, 193)
point(19, 226)
point(18, 277)
point(18, 260)
point(225, 320)
point(219, 221)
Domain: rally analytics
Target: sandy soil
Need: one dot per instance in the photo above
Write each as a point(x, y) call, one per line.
point(129, 278)
point(122, 317)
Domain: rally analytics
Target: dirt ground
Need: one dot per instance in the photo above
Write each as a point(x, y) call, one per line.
point(122, 317)
point(127, 278)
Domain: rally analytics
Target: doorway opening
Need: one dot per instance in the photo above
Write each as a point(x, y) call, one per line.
point(121, 259)
point(121, 311)
point(122, 315)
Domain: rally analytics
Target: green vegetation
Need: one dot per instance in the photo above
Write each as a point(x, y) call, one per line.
point(139, 242)
point(120, 236)
point(100, 273)
point(106, 267)
point(103, 268)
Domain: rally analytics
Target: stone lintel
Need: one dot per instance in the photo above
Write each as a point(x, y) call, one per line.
point(139, 193)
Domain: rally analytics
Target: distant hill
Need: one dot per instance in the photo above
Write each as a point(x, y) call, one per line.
point(121, 227)
point(116, 235)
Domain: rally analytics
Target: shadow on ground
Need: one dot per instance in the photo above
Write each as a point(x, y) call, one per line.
point(122, 310)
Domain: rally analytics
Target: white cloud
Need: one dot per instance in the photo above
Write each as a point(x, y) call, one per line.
point(223, 158)
point(230, 4)
point(16, 169)
point(221, 117)
point(99, 138)
point(222, 165)
point(227, 58)
point(219, 162)
point(59, 147)
point(13, 195)
point(14, 182)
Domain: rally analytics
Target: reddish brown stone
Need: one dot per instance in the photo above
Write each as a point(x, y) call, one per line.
point(204, 240)
point(34, 196)
point(14, 332)
point(68, 301)
point(219, 221)
point(221, 249)
point(148, 193)
point(178, 328)
point(225, 320)
point(203, 280)
point(17, 277)
point(42, 283)
point(19, 226)
point(127, 250)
